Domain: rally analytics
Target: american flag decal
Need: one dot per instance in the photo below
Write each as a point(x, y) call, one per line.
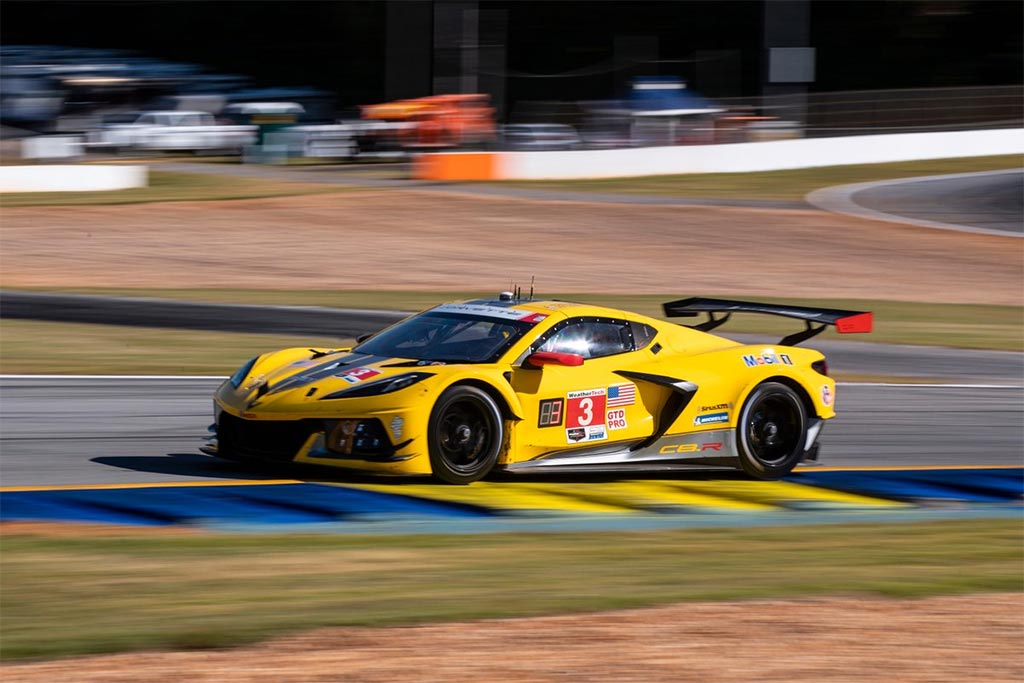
point(621, 395)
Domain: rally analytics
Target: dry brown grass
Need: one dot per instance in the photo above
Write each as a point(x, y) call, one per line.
point(934, 640)
point(412, 240)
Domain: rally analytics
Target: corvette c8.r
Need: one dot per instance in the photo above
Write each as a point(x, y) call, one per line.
point(511, 384)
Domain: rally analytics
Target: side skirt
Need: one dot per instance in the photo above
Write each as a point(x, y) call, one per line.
point(695, 448)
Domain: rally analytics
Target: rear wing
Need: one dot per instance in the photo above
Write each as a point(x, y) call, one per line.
point(844, 321)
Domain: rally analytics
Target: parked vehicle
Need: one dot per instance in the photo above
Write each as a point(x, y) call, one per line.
point(267, 117)
point(438, 121)
point(540, 136)
point(186, 131)
point(343, 140)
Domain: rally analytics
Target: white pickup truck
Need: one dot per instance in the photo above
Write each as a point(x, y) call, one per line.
point(186, 131)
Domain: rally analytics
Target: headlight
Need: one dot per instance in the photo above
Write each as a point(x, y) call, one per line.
point(241, 373)
point(384, 386)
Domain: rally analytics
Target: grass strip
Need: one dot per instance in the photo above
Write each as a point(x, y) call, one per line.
point(791, 184)
point(169, 186)
point(32, 347)
point(970, 326)
point(166, 186)
point(66, 596)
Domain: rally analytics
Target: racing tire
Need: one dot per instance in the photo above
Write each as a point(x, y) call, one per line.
point(771, 431)
point(464, 435)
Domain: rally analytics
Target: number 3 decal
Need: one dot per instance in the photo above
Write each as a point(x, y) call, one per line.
point(586, 409)
point(587, 405)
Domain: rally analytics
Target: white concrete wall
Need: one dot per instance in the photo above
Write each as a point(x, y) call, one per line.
point(757, 156)
point(52, 147)
point(67, 178)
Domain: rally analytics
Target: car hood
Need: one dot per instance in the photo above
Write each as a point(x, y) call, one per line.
point(285, 377)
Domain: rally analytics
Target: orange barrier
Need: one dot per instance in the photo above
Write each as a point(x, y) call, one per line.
point(456, 166)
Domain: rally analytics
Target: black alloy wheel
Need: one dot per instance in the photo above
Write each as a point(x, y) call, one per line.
point(772, 431)
point(464, 435)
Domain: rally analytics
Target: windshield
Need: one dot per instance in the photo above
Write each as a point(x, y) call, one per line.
point(444, 337)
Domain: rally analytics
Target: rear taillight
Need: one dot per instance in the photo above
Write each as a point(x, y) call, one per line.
point(820, 366)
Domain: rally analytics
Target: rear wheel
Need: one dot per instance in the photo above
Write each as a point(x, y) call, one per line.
point(771, 432)
point(464, 435)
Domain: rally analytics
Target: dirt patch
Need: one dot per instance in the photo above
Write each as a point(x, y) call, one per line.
point(838, 640)
point(414, 240)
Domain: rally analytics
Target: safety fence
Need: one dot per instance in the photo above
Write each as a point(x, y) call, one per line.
point(804, 114)
point(870, 112)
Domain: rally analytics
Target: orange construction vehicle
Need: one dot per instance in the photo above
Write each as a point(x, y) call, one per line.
point(437, 121)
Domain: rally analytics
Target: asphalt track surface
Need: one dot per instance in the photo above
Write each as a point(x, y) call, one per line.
point(79, 431)
point(154, 312)
point(990, 202)
point(879, 360)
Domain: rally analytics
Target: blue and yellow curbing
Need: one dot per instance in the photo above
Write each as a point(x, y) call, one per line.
point(395, 507)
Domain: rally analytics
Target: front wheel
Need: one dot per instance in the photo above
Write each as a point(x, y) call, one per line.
point(771, 431)
point(464, 435)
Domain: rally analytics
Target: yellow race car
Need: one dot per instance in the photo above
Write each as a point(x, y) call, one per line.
point(513, 383)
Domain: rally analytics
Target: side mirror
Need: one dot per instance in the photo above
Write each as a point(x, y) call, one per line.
point(542, 358)
point(363, 337)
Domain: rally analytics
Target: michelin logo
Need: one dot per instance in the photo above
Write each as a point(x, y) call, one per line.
point(711, 419)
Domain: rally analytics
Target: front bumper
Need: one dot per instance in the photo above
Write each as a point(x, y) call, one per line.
point(378, 443)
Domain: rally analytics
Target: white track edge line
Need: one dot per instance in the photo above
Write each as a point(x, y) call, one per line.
point(223, 377)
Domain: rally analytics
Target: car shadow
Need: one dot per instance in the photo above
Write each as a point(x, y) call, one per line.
point(199, 465)
point(186, 465)
point(608, 476)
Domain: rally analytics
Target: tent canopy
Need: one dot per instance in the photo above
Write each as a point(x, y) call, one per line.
point(653, 96)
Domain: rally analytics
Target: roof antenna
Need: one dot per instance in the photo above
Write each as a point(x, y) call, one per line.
point(532, 278)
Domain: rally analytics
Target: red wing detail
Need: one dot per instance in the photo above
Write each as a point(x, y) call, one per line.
point(862, 322)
